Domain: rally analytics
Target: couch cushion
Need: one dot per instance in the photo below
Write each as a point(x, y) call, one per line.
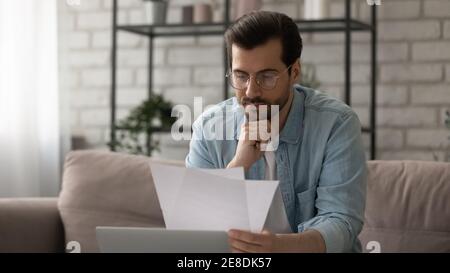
point(107, 189)
point(408, 208)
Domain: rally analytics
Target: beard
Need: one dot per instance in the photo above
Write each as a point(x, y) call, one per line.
point(254, 104)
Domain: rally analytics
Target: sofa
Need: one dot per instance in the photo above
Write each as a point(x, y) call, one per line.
point(407, 208)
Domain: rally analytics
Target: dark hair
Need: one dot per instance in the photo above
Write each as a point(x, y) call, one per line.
point(258, 27)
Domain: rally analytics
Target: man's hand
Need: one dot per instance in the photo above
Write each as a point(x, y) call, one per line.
point(244, 241)
point(266, 242)
point(253, 134)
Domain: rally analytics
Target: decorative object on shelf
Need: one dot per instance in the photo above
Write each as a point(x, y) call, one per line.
point(315, 9)
point(156, 11)
point(187, 14)
point(151, 116)
point(308, 76)
point(202, 13)
point(242, 7)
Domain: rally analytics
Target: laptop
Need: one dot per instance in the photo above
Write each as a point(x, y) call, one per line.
point(160, 240)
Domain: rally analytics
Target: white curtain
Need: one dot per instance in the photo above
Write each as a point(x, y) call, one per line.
point(29, 108)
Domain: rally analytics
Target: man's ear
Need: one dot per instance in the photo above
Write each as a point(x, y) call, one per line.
point(297, 70)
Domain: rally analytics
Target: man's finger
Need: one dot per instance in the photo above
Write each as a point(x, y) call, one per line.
point(244, 246)
point(245, 236)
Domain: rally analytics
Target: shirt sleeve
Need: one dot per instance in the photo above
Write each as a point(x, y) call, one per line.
point(198, 156)
point(341, 191)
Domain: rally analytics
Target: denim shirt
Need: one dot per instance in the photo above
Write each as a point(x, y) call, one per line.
point(320, 163)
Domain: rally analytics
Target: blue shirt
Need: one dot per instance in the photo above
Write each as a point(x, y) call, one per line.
point(320, 163)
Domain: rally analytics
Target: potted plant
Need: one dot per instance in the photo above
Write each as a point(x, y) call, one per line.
point(151, 116)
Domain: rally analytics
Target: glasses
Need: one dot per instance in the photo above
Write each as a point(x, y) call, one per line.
point(264, 79)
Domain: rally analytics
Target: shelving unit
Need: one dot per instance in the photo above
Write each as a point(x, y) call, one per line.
point(346, 25)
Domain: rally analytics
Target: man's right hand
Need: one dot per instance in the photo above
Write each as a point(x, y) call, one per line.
point(249, 146)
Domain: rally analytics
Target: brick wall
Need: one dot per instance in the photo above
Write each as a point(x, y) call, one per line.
point(413, 75)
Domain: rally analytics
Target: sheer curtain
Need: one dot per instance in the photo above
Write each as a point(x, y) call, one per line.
point(29, 108)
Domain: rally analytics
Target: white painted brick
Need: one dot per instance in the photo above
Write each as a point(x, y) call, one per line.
point(210, 41)
point(391, 52)
point(131, 96)
point(89, 58)
point(67, 22)
point(386, 52)
point(447, 73)
point(166, 76)
point(326, 37)
point(95, 117)
point(410, 72)
point(174, 41)
point(323, 53)
point(387, 95)
point(426, 155)
point(94, 20)
point(209, 75)
point(437, 8)
point(337, 9)
point(447, 29)
point(78, 40)
point(125, 40)
point(70, 79)
point(430, 94)
point(172, 76)
point(95, 77)
point(290, 9)
point(334, 74)
point(409, 30)
point(389, 139)
point(406, 117)
point(432, 138)
point(392, 9)
point(88, 98)
point(363, 115)
point(102, 39)
point(74, 118)
point(137, 17)
point(195, 56)
point(85, 5)
point(335, 91)
point(183, 95)
point(102, 77)
point(122, 3)
point(431, 51)
point(139, 57)
point(337, 38)
point(330, 74)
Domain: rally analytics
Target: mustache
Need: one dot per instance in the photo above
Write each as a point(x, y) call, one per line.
point(245, 100)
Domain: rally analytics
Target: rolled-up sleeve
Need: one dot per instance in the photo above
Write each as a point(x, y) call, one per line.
point(198, 156)
point(341, 191)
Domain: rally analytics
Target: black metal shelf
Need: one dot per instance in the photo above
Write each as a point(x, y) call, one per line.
point(326, 25)
point(347, 25)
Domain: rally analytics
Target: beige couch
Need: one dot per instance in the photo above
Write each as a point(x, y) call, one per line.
point(408, 205)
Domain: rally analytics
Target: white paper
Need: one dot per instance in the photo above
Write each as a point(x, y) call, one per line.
point(218, 199)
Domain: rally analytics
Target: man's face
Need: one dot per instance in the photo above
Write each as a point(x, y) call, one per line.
point(261, 60)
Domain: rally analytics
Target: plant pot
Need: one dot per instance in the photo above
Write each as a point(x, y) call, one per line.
point(202, 13)
point(156, 12)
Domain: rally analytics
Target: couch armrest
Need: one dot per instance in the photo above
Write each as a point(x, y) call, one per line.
point(30, 225)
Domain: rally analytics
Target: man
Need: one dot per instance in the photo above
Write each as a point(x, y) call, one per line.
point(319, 160)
